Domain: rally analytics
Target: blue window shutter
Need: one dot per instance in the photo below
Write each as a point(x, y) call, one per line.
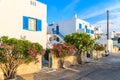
point(85, 26)
point(92, 31)
point(88, 30)
point(80, 26)
point(39, 26)
point(25, 22)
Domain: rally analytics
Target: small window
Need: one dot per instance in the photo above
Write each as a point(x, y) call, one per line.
point(85, 26)
point(31, 24)
point(80, 26)
point(92, 31)
point(32, 3)
point(87, 31)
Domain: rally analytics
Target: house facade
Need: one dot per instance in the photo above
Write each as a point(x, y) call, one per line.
point(103, 39)
point(116, 39)
point(73, 25)
point(24, 19)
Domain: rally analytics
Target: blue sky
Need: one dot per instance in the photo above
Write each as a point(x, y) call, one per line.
point(93, 11)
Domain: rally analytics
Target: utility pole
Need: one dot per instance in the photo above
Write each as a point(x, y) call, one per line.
point(107, 25)
point(108, 41)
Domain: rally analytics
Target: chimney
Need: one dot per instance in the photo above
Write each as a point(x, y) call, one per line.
point(75, 15)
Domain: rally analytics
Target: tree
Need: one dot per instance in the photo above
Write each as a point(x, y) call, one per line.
point(83, 43)
point(14, 52)
point(61, 51)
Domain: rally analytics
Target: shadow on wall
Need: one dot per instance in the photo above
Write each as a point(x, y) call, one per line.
point(19, 77)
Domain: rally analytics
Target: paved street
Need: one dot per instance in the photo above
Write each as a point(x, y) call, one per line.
point(108, 68)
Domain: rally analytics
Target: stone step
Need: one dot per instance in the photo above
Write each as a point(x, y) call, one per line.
point(47, 70)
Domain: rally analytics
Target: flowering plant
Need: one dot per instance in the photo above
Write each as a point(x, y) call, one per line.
point(14, 52)
point(62, 50)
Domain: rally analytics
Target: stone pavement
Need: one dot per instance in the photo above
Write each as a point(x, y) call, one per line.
point(107, 68)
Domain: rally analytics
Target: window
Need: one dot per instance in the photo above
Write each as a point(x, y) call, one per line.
point(92, 31)
point(80, 26)
point(87, 31)
point(33, 3)
point(31, 24)
point(85, 26)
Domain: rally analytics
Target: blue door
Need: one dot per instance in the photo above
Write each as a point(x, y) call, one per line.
point(50, 62)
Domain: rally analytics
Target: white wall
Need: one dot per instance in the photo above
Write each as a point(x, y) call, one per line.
point(67, 27)
point(102, 40)
point(79, 21)
point(71, 26)
point(11, 19)
point(110, 45)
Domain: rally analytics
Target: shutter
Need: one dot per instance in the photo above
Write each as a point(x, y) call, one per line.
point(39, 27)
point(25, 22)
point(88, 30)
point(85, 26)
point(80, 26)
point(92, 31)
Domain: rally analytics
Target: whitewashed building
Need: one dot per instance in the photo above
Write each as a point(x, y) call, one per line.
point(116, 38)
point(66, 27)
point(24, 19)
point(103, 39)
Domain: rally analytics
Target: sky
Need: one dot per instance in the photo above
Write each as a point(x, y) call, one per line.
point(92, 11)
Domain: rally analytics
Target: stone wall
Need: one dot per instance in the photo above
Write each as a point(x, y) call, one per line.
point(69, 60)
point(115, 49)
point(1, 75)
point(27, 68)
point(97, 54)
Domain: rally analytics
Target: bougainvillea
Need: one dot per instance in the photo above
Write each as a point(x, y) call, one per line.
point(14, 52)
point(62, 50)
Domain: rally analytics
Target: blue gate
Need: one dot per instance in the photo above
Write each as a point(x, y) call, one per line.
point(50, 61)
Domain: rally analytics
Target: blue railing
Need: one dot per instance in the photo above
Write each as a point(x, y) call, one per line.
point(59, 34)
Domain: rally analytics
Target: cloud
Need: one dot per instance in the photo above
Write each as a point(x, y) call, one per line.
point(98, 10)
point(114, 24)
point(71, 5)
